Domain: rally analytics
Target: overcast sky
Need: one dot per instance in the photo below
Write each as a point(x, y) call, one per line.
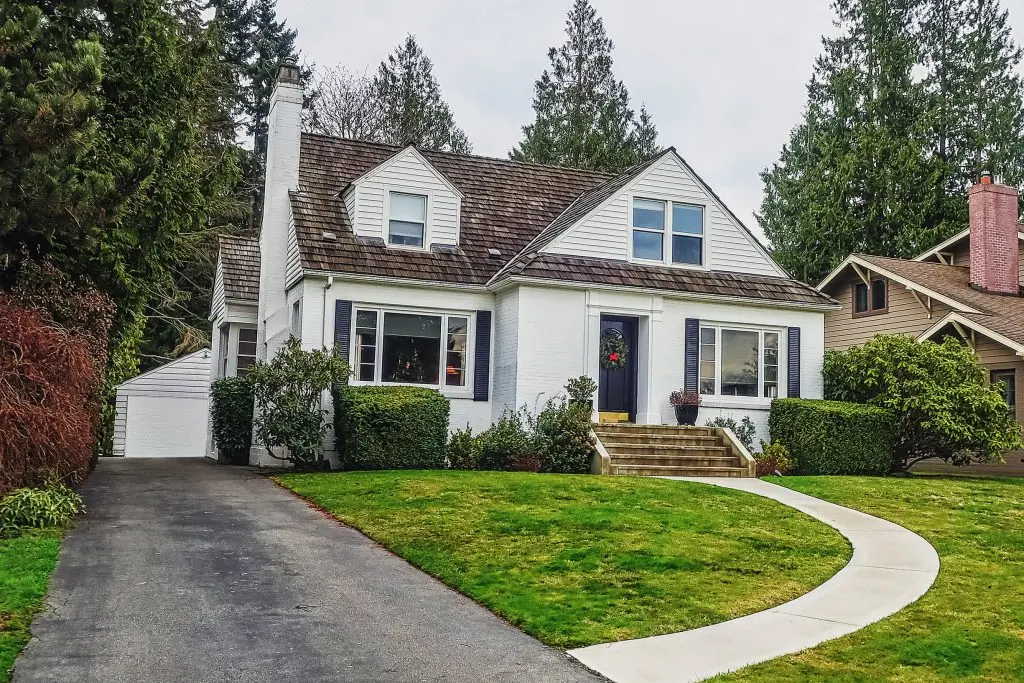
point(725, 81)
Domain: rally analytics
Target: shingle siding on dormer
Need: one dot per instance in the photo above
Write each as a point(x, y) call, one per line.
point(607, 232)
point(407, 172)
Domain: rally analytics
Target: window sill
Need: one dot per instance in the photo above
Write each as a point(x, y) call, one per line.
point(666, 264)
point(740, 402)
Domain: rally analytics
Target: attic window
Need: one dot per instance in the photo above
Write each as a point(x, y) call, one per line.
point(870, 300)
point(407, 220)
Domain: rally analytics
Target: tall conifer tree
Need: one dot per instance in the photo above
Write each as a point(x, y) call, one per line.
point(583, 118)
point(412, 110)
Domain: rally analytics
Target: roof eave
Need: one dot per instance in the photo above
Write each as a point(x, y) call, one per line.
point(509, 280)
point(957, 317)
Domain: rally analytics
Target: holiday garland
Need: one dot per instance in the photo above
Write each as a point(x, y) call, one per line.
point(613, 349)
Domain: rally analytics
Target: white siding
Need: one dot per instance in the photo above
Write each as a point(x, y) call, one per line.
point(293, 267)
point(606, 233)
point(217, 304)
point(506, 349)
point(406, 173)
point(187, 376)
point(120, 419)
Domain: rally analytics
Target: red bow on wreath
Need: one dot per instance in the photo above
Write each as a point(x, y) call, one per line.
point(613, 357)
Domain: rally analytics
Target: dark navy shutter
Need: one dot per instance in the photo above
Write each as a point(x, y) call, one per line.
point(342, 326)
point(793, 351)
point(691, 354)
point(482, 357)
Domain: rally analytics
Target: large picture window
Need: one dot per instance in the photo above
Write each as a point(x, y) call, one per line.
point(393, 347)
point(738, 361)
point(684, 244)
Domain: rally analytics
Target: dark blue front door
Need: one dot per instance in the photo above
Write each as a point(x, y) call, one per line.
point(617, 392)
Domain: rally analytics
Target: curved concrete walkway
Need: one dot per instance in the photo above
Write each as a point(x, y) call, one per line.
point(891, 567)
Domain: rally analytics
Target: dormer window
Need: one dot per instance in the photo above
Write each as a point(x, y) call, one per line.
point(407, 219)
point(870, 300)
point(685, 243)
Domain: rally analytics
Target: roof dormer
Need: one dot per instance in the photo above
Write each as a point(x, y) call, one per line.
point(406, 203)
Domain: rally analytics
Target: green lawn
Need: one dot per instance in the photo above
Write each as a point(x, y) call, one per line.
point(25, 566)
point(970, 625)
point(578, 560)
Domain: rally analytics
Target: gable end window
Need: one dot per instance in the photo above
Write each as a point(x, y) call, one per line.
point(684, 224)
point(407, 219)
point(870, 299)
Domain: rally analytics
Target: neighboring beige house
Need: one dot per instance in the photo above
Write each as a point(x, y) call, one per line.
point(968, 286)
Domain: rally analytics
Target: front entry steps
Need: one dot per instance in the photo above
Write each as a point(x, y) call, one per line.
point(670, 451)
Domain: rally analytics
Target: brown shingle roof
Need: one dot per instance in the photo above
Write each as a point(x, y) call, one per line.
point(240, 265)
point(506, 206)
point(624, 274)
point(1000, 313)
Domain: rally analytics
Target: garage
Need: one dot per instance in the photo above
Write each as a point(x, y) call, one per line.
point(164, 413)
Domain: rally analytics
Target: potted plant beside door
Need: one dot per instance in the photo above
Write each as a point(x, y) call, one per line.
point(685, 404)
point(581, 391)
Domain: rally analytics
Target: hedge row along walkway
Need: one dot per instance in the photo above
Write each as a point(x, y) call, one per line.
point(188, 571)
point(891, 567)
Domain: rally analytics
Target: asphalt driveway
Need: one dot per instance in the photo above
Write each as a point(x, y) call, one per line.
point(184, 570)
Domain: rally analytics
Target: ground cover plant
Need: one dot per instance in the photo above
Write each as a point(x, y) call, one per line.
point(26, 562)
point(578, 560)
point(970, 626)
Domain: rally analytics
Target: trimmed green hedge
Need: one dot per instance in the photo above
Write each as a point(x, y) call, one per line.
point(231, 401)
point(833, 437)
point(391, 428)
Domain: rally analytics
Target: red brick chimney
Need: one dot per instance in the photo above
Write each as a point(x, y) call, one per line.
point(995, 254)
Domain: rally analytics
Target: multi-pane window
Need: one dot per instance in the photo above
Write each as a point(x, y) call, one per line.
point(407, 220)
point(1006, 380)
point(687, 234)
point(739, 362)
point(648, 229)
point(246, 349)
point(685, 243)
point(708, 344)
point(366, 345)
point(458, 346)
point(411, 348)
point(870, 299)
point(771, 365)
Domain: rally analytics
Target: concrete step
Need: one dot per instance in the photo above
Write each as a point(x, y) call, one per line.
point(674, 461)
point(660, 449)
point(662, 439)
point(655, 471)
point(663, 430)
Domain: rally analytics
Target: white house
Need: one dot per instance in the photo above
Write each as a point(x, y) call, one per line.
point(494, 281)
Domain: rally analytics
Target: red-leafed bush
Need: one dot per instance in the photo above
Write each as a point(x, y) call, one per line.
point(50, 378)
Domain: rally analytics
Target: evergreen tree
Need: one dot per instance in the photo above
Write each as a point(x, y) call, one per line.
point(583, 118)
point(411, 108)
point(883, 158)
point(50, 71)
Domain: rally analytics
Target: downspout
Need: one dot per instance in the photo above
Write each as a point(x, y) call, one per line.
point(323, 332)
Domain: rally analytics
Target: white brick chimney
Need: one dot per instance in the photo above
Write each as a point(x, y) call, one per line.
point(994, 222)
point(284, 127)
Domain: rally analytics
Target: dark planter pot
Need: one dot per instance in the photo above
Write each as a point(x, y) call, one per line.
point(686, 415)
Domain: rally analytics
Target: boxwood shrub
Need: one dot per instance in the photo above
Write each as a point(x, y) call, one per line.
point(834, 437)
point(231, 401)
point(390, 428)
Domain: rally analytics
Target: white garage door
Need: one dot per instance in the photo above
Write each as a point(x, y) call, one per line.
point(165, 427)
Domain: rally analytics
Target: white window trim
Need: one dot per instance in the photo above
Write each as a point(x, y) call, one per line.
point(666, 240)
point(465, 391)
point(428, 210)
point(717, 398)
